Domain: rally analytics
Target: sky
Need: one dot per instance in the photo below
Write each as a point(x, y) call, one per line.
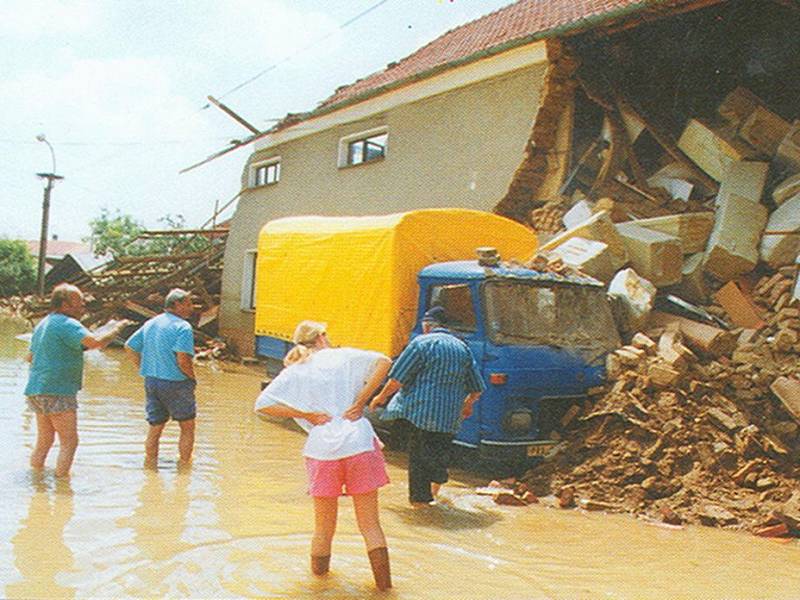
point(118, 87)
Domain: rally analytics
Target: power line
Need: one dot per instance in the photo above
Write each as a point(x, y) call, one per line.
point(301, 50)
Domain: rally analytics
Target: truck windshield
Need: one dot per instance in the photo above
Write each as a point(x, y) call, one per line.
point(568, 316)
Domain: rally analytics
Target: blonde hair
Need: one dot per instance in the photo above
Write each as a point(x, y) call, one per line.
point(305, 337)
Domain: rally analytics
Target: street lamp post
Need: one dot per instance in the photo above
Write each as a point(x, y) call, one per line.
point(50, 178)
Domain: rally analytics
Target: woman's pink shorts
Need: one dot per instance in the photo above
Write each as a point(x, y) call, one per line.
point(358, 474)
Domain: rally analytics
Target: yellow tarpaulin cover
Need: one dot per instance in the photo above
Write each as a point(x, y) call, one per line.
point(359, 274)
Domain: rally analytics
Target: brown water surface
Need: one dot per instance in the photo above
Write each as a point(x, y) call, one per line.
point(238, 522)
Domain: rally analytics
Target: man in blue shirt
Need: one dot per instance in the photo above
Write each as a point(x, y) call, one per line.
point(163, 349)
point(438, 382)
point(56, 373)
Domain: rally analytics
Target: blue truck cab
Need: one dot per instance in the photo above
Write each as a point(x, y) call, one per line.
point(539, 339)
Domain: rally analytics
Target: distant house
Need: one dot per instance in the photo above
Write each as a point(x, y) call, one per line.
point(57, 249)
point(482, 117)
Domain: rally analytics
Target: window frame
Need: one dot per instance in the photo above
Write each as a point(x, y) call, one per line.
point(247, 301)
point(346, 143)
point(275, 161)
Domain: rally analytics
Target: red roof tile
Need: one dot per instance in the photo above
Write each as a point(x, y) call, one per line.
point(516, 22)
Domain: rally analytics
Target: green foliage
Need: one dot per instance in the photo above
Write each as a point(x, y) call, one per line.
point(17, 268)
point(118, 235)
point(114, 233)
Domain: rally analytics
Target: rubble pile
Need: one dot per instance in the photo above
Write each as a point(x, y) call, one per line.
point(698, 425)
point(700, 419)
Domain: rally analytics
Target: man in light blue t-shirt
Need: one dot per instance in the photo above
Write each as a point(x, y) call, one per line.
point(56, 374)
point(163, 349)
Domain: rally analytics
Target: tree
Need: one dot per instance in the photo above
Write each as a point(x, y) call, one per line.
point(17, 268)
point(118, 235)
point(114, 233)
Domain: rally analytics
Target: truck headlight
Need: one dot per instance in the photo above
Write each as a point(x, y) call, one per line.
point(518, 421)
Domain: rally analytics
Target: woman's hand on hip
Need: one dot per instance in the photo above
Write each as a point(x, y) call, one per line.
point(317, 418)
point(355, 412)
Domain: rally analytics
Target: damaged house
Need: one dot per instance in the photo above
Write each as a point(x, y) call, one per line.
point(678, 114)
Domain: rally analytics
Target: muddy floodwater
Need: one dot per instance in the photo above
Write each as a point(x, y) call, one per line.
point(238, 522)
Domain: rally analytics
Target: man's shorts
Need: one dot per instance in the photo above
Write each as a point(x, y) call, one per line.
point(45, 404)
point(358, 474)
point(167, 398)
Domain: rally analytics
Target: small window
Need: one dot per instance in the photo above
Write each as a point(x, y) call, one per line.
point(266, 174)
point(456, 300)
point(363, 147)
point(249, 280)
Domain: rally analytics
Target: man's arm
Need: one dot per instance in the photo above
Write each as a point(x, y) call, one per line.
point(379, 372)
point(469, 401)
point(92, 341)
point(387, 392)
point(283, 411)
point(185, 364)
point(134, 356)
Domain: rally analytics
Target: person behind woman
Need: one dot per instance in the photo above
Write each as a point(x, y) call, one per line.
point(325, 390)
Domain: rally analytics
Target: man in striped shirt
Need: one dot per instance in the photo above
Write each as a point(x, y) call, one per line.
point(438, 382)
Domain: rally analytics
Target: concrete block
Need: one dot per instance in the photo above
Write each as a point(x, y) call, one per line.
point(764, 130)
point(692, 286)
point(691, 229)
point(733, 245)
point(712, 148)
point(778, 250)
point(788, 392)
point(598, 227)
point(656, 256)
point(744, 178)
point(786, 189)
point(589, 256)
point(576, 215)
point(738, 105)
point(788, 153)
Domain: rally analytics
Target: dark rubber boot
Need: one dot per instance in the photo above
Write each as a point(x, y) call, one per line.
point(320, 564)
point(379, 561)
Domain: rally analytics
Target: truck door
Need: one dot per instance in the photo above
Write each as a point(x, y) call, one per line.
point(459, 301)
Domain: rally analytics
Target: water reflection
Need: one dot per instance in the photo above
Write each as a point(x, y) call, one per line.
point(40, 552)
point(159, 519)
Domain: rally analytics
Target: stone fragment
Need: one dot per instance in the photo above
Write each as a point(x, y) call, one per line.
point(588, 256)
point(722, 420)
point(580, 212)
point(764, 130)
point(656, 256)
point(788, 153)
point(733, 245)
point(662, 375)
point(692, 286)
point(784, 340)
point(643, 342)
point(598, 227)
point(669, 516)
point(738, 105)
point(712, 515)
point(714, 149)
point(698, 336)
point(597, 505)
point(788, 188)
point(566, 497)
point(779, 530)
point(691, 229)
point(745, 179)
point(788, 392)
point(636, 296)
point(782, 246)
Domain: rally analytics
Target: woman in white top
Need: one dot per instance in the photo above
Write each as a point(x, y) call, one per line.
point(325, 390)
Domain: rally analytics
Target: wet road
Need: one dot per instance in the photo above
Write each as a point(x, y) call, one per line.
point(238, 522)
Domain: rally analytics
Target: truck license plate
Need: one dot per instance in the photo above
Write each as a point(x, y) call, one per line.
point(540, 449)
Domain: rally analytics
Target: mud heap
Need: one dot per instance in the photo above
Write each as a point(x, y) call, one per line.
point(697, 425)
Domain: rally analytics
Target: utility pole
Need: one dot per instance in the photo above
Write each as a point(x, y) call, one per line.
point(50, 177)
